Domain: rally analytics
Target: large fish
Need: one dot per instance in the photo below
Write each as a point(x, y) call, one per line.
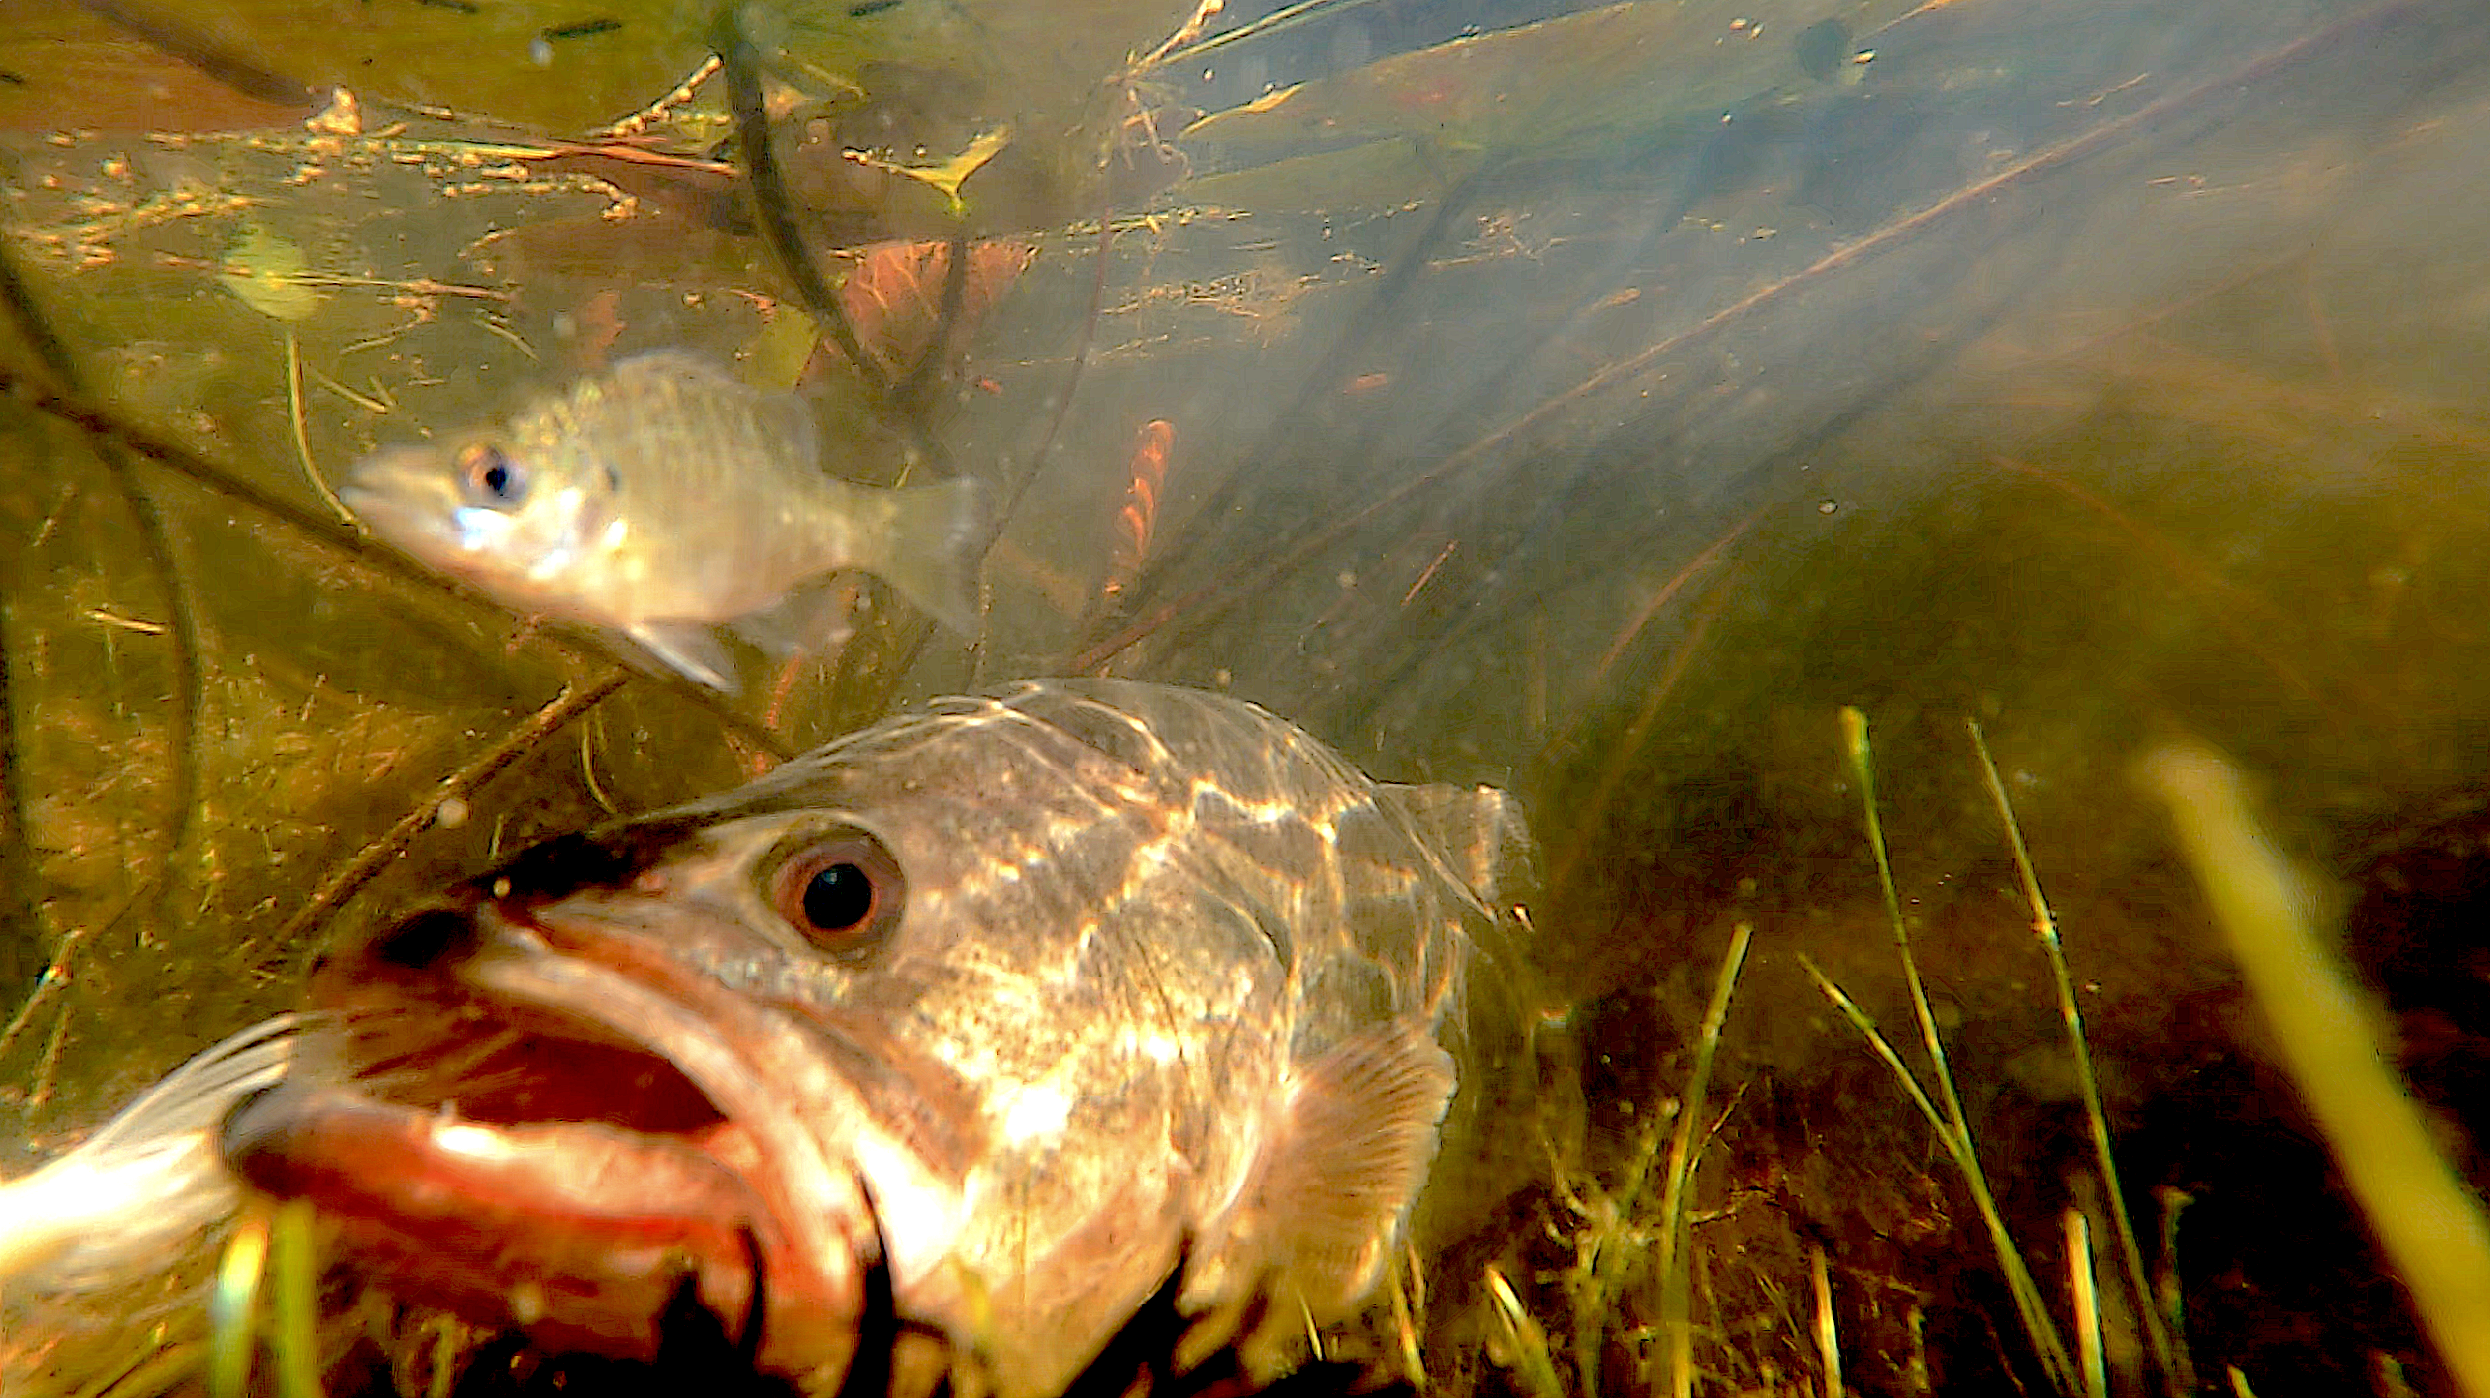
point(664, 499)
point(1014, 1002)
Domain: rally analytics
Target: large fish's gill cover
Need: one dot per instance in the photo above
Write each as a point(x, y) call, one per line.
point(1024, 996)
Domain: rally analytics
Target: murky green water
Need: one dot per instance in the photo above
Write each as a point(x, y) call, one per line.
point(1591, 409)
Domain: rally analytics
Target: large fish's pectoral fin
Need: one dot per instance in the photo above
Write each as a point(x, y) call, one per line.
point(688, 648)
point(1349, 1157)
point(1477, 831)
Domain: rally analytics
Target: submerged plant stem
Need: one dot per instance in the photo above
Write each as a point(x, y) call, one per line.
point(2082, 1283)
point(294, 1287)
point(156, 544)
point(233, 1306)
point(1955, 1128)
point(1533, 1366)
point(302, 436)
point(574, 700)
point(2178, 1374)
point(771, 204)
point(2431, 1226)
point(1676, 1255)
point(1828, 1332)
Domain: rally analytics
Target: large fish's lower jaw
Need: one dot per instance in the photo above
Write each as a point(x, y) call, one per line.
point(822, 1230)
point(507, 1132)
point(576, 1232)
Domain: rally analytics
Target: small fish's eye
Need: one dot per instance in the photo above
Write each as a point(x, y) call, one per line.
point(493, 479)
point(841, 892)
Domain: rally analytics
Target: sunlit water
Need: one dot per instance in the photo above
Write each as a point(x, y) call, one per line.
point(1591, 409)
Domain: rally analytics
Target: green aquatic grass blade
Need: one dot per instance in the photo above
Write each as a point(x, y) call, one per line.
point(1676, 1259)
point(1956, 1130)
point(1882, 1046)
point(1595, 1277)
point(2083, 1285)
point(162, 1372)
point(2432, 1227)
point(1533, 1364)
point(293, 1262)
point(2167, 1293)
point(1863, 771)
point(444, 1351)
point(233, 1305)
point(151, 1367)
point(1827, 1331)
point(2177, 1372)
point(1615, 1238)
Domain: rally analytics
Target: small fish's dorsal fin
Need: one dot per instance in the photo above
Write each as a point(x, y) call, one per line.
point(1348, 1156)
point(690, 649)
point(1477, 831)
point(677, 366)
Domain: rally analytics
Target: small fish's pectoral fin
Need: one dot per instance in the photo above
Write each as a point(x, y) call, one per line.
point(1349, 1158)
point(688, 648)
point(812, 619)
point(931, 554)
point(1477, 831)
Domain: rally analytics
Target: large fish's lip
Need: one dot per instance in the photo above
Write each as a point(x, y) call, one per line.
point(818, 1231)
point(462, 1203)
point(481, 1217)
point(741, 1054)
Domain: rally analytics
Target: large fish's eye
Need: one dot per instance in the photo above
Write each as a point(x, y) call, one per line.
point(842, 892)
point(493, 480)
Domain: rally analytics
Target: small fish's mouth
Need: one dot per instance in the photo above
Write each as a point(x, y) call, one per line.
point(486, 1136)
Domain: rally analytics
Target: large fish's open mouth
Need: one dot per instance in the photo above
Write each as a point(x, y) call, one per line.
point(534, 1124)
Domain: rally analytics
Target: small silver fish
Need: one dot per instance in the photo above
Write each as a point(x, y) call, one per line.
point(1019, 999)
point(663, 499)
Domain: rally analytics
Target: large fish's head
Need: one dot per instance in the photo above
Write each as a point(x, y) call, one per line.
point(964, 1002)
point(564, 1094)
point(520, 512)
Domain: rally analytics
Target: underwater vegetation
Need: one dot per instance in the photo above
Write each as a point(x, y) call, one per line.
point(1628, 407)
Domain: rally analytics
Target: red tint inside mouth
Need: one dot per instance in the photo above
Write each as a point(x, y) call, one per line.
point(528, 1079)
point(438, 1048)
point(517, 1169)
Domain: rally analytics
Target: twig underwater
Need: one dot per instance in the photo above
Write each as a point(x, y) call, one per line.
point(550, 719)
point(772, 206)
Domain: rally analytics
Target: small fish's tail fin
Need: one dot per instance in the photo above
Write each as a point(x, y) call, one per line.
point(932, 550)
